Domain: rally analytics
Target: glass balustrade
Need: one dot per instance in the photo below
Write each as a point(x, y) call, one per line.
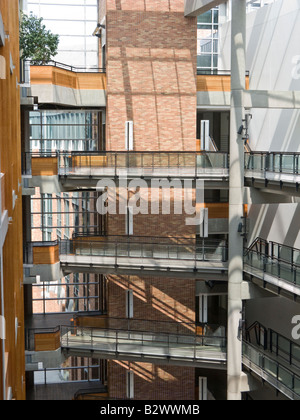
point(135, 163)
point(278, 260)
point(147, 343)
point(286, 163)
point(146, 248)
point(278, 375)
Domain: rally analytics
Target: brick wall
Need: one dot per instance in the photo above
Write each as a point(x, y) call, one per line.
point(155, 298)
point(151, 75)
point(151, 80)
point(152, 382)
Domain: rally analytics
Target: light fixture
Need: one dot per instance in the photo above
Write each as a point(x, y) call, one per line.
point(241, 129)
point(97, 31)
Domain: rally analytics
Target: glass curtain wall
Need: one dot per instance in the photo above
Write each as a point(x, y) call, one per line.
point(208, 41)
point(74, 21)
point(256, 4)
point(64, 130)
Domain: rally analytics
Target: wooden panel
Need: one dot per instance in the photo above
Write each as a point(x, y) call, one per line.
point(91, 81)
point(92, 321)
point(215, 83)
point(44, 166)
point(199, 330)
point(48, 75)
point(93, 396)
point(45, 255)
point(89, 161)
point(47, 342)
point(216, 210)
point(10, 157)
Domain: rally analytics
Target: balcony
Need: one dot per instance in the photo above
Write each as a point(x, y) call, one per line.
point(275, 264)
point(41, 261)
point(271, 371)
point(273, 171)
point(145, 256)
point(84, 169)
point(214, 89)
point(148, 341)
point(58, 83)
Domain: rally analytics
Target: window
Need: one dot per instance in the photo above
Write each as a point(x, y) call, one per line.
point(64, 131)
point(129, 221)
point(129, 303)
point(130, 384)
point(129, 135)
point(46, 201)
point(208, 41)
point(202, 389)
point(74, 21)
point(73, 293)
point(203, 309)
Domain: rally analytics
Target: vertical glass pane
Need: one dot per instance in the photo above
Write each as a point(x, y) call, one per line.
point(285, 377)
point(284, 348)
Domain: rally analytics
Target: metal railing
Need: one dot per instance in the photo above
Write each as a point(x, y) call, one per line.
point(273, 372)
point(216, 72)
point(146, 248)
point(143, 163)
point(176, 339)
point(138, 342)
point(75, 69)
point(278, 162)
point(273, 342)
point(278, 260)
point(190, 164)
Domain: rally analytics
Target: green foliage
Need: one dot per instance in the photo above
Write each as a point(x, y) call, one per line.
point(36, 42)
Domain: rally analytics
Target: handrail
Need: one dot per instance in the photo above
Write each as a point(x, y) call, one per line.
point(141, 336)
point(138, 239)
point(257, 241)
point(277, 260)
point(276, 374)
point(272, 345)
point(136, 325)
point(147, 248)
point(277, 162)
point(216, 72)
point(270, 247)
point(182, 163)
point(75, 69)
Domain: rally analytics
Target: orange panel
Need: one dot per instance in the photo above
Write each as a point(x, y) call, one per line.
point(89, 161)
point(216, 210)
point(47, 342)
point(44, 166)
point(215, 83)
point(48, 75)
point(92, 322)
point(45, 255)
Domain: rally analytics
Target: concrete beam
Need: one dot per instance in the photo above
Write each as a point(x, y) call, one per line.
point(261, 99)
point(272, 99)
point(248, 383)
point(61, 95)
point(257, 196)
point(198, 7)
point(47, 272)
point(252, 291)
